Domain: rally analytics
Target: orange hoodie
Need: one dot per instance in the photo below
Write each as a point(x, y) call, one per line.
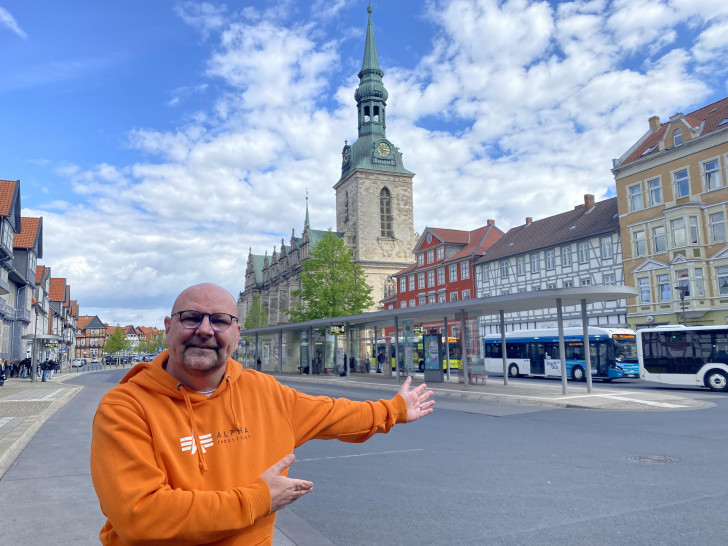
point(173, 466)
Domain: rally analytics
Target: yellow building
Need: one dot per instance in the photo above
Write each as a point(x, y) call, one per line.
point(672, 190)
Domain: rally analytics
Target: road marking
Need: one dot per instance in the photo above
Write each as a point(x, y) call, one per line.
point(47, 398)
point(647, 402)
point(5, 420)
point(358, 455)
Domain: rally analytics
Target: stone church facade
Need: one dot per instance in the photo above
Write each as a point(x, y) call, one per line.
point(374, 209)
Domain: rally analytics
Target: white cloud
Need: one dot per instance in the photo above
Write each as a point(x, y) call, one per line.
point(7, 20)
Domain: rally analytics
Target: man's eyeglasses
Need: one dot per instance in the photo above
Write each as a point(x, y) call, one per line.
point(192, 320)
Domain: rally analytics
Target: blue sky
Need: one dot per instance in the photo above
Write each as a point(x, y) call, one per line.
point(161, 140)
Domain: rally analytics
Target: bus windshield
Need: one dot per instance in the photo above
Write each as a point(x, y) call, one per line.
point(626, 347)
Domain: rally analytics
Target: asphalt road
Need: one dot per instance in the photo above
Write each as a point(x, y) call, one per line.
point(474, 472)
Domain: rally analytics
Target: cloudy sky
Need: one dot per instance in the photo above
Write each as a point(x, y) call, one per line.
point(161, 140)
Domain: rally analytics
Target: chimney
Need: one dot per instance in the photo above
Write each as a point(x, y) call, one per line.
point(654, 123)
point(588, 201)
point(528, 220)
point(491, 222)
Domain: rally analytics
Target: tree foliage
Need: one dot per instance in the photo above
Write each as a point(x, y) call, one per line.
point(257, 316)
point(117, 342)
point(151, 346)
point(331, 284)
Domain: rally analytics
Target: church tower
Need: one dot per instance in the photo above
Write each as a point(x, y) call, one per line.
point(374, 206)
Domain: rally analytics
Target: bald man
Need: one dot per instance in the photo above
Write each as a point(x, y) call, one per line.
point(191, 448)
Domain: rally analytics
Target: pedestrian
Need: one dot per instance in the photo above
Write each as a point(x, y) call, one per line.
point(380, 362)
point(44, 370)
point(258, 364)
point(199, 448)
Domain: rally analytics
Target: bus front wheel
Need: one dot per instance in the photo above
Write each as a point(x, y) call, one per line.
point(512, 370)
point(716, 380)
point(577, 373)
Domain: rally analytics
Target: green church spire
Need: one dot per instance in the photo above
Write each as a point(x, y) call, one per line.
point(371, 96)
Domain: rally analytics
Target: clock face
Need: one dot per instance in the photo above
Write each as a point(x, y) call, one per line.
point(383, 149)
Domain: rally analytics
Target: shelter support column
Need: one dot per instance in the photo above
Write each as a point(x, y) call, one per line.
point(562, 345)
point(503, 346)
point(464, 362)
point(587, 351)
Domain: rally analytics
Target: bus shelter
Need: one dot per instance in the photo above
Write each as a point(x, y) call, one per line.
point(412, 339)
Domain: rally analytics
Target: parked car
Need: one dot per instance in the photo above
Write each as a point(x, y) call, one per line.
point(78, 362)
point(95, 360)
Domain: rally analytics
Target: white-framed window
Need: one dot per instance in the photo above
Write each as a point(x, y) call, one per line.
point(694, 232)
point(683, 279)
point(717, 226)
point(466, 294)
point(635, 197)
point(699, 290)
point(420, 260)
point(654, 190)
point(568, 284)
point(722, 279)
point(679, 237)
point(566, 259)
point(663, 287)
point(550, 285)
point(607, 251)
point(584, 253)
point(411, 282)
point(453, 296)
point(413, 303)
point(421, 281)
point(644, 287)
point(441, 275)
point(431, 298)
point(682, 183)
point(484, 272)
point(464, 270)
point(535, 287)
point(677, 138)
point(550, 259)
point(610, 279)
point(711, 174)
point(586, 281)
point(403, 305)
point(659, 240)
point(521, 265)
point(454, 273)
point(421, 300)
point(504, 269)
point(430, 278)
point(403, 284)
point(535, 263)
point(442, 298)
point(640, 245)
point(430, 256)
point(440, 252)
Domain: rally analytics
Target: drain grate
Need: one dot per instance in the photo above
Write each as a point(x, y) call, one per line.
point(654, 459)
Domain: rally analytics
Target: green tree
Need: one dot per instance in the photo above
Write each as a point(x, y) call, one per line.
point(151, 346)
point(117, 342)
point(257, 317)
point(331, 284)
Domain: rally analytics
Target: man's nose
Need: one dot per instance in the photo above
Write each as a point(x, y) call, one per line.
point(205, 327)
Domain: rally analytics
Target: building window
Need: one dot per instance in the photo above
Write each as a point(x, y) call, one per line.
point(484, 272)
point(440, 252)
point(635, 197)
point(565, 256)
point(504, 269)
point(441, 275)
point(421, 300)
point(454, 273)
point(421, 280)
point(717, 223)
point(464, 270)
point(535, 265)
point(682, 183)
point(663, 287)
point(403, 284)
point(654, 188)
point(411, 282)
point(385, 213)
point(535, 287)
point(453, 296)
point(403, 305)
point(431, 298)
point(550, 259)
point(722, 280)
point(430, 279)
point(442, 298)
point(693, 229)
point(658, 239)
point(640, 245)
point(420, 260)
point(550, 285)
point(430, 256)
point(466, 294)
point(607, 252)
point(677, 137)
point(568, 284)
point(610, 279)
point(677, 227)
point(711, 172)
point(521, 265)
point(683, 280)
point(584, 253)
point(586, 282)
point(644, 285)
point(699, 282)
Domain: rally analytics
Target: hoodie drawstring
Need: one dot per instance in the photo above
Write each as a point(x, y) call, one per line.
point(195, 438)
point(232, 387)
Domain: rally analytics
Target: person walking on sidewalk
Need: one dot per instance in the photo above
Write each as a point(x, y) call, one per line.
point(192, 449)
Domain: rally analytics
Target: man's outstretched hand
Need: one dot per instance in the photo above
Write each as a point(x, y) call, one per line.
point(417, 400)
point(283, 490)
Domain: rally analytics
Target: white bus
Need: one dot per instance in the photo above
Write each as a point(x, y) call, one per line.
point(679, 355)
point(536, 353)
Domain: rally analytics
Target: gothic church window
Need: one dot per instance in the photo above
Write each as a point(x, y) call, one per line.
point(385, 213)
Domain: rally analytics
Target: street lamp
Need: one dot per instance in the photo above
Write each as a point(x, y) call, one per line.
point(684, 291)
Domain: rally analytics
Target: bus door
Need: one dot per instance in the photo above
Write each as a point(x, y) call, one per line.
point(536, 354)
point(599, 360)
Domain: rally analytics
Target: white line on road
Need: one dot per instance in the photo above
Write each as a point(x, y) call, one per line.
point(5, 420)
point(358, 455)
point(647, 402)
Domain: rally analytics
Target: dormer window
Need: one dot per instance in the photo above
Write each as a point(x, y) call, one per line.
point(677, 137)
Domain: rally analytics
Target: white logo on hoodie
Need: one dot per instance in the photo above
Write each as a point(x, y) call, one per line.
point(188, 443)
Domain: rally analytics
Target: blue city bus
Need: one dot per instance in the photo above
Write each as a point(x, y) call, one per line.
point(535, 353)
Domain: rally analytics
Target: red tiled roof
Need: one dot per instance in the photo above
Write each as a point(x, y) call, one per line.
point(7, 192)
point(28, 233)
point(57, 289)
point(708, 118)
point(481, 240)
point(451, 235)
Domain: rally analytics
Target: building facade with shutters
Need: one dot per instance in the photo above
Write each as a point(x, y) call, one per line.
point(671, 187)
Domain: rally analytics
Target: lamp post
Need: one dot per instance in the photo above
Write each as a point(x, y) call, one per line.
point(684, 291)
point(33, 361)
